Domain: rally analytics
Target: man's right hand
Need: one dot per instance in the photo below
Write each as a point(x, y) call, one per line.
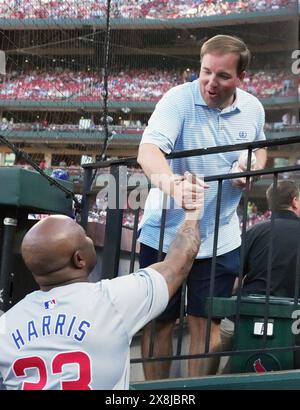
point(188, 191)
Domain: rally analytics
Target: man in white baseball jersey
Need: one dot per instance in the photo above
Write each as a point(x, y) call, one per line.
point(76, 335)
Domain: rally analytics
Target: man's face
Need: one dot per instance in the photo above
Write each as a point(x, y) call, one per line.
point(297, 205)
point(219, 79)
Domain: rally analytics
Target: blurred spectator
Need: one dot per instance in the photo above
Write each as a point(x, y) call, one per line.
point(60, 174)
point(189, 75)
point(4, 124)
point(42, 164)
point(45, 124)
point(294, 120)
point(286, 203)
point(286, 119)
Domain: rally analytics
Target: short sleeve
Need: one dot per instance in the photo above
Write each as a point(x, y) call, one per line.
point(138, 297)
point(164, 125)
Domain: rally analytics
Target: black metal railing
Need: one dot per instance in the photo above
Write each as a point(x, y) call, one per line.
point(112, 241)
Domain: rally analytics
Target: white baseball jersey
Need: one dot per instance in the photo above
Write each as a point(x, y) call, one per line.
point(78, 336)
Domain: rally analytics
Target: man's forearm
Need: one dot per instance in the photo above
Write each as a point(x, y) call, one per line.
point(181, 254)
point(156, 167)
point(261, 158)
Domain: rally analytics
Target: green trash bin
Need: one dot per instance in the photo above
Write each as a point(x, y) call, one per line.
point(249, 334)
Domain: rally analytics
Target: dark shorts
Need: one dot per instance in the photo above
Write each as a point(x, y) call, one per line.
point(198, 282)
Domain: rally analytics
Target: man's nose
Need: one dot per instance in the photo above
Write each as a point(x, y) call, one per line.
point(212, 80)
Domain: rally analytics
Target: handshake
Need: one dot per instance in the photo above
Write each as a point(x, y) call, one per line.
point(241, 166)
point(188, 193)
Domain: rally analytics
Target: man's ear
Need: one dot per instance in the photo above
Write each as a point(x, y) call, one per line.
point(242, 76)
point(296, 204)
point(78, 260)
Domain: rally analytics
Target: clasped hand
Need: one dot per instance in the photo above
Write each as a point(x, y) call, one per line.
point(188, 191)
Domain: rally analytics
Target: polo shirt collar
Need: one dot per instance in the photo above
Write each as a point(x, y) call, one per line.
point(197, 94)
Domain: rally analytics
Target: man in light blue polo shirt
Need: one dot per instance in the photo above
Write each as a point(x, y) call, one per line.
point(210, 111)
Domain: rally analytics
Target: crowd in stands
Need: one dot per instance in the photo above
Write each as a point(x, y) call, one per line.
point(99, 216)
point(288, 123)
point(253, 216)
point(10, 125)
point(123, 9)
point(265, 84)
point(133, 85)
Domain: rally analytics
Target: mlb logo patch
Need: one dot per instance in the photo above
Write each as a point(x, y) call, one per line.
point(50, 304)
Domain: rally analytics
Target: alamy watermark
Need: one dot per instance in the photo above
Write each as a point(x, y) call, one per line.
point(296, 322)
point(130, 190)
point(296, 64)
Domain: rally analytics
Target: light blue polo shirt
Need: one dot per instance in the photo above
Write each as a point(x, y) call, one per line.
point(183, 121)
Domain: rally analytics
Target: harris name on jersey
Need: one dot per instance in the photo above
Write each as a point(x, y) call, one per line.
point(49, 325)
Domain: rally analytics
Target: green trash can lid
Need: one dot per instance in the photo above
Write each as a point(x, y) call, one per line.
point(252, 305)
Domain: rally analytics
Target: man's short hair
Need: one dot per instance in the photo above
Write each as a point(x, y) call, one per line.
point(282, 197)
point(228, 44)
